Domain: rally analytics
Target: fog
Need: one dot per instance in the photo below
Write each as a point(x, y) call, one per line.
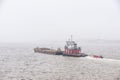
point(43, 20)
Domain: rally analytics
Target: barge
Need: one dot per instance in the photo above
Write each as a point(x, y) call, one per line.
point(48, 51)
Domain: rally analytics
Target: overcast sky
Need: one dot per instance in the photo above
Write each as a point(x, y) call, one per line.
point(37, 20)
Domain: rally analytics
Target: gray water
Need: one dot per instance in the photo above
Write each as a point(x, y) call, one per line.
point(19, 62)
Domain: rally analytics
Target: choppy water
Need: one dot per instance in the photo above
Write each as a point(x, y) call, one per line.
point(21, 63)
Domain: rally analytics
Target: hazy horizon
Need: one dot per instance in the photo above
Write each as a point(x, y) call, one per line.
point(37, 21)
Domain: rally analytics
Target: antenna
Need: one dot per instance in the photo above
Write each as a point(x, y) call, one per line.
point(71, 37)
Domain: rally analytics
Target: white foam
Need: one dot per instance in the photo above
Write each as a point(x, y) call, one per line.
point(103, 59)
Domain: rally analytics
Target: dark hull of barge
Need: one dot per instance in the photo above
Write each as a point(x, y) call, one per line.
point(58, 52)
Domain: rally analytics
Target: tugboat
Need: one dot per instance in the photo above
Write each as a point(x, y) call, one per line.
point(71, 49)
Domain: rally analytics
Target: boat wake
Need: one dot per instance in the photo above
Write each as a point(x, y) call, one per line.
point(103, 59)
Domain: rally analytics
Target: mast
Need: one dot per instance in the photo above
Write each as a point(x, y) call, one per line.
point(71, 37)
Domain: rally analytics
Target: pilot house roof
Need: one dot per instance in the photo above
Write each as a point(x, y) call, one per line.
point(70, 43)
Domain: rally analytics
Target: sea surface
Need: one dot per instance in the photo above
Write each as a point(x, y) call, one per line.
point(19, 62)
